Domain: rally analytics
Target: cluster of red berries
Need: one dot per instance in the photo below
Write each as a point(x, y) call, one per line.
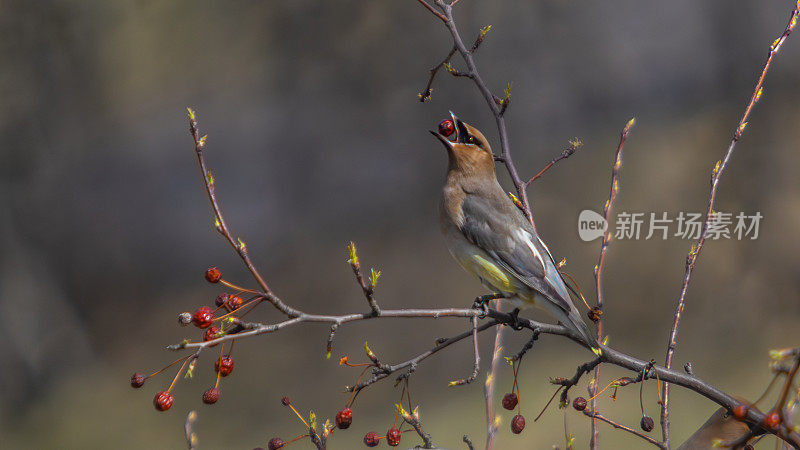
point(204, 319)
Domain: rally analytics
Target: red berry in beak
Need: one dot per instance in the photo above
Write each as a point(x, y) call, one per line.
point(163, 401)
point(446, 127)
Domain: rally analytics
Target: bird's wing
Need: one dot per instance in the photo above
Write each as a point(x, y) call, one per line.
point(514, 246)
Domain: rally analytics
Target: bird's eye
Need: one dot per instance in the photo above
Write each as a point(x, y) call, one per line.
point(472, 140)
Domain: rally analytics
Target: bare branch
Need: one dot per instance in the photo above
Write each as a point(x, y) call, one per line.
point(597, 312)
point(716, 175)
point(597, 416)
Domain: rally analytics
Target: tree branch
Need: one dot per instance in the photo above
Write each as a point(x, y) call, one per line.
point(716, 175)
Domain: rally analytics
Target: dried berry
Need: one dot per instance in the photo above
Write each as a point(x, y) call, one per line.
point(393, 437)
point(372, 439)
point(286, 401)
point(510, 401)
point(221, 299)
point(647, 423)
point(203, 317)
point(233, 303)
point(211, 333)
point(137, 380)
point(224, 365)
point(740, 411)
point(184, 318)
point(344, 418)
point(163, 401)
point(579, 403)
point(213, 275)
point(276, 443)
point(517, 424)
point(595, 313)
point(772, 420)
point(446, 127)
point(210, 396)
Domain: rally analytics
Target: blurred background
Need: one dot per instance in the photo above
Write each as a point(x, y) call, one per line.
point(316, 137)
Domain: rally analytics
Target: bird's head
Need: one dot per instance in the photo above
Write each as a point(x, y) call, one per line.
point(468, 151)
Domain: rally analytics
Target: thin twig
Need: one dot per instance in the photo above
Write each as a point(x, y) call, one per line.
point(477, 365)
point(619, 426)
point(598, 269)
point(719, 169)
point(569, 151)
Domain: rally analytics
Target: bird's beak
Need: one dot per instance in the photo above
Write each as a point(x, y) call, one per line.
point(461, 130)
point(448, 144)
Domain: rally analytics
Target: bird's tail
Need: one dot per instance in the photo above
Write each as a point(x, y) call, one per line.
point(587, 333)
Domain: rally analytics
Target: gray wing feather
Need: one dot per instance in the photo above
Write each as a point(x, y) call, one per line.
point(507, 237)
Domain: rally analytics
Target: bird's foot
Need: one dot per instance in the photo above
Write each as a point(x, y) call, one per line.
point(515, 323)
point(482, 303)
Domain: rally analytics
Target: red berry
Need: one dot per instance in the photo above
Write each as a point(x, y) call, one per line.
point(276, 443)
point(772, 420)
point(221, 299)
point(163, 401)
point(740, 412)
point(203, 317)
point(211, 333)
point(579, 403)
point(137, 380)
point(517, 424)
point(647, 423)
point(233, 303)
point(446, 127)
point(285, 401)
point(393, 437)
point(510, 401)
point(213, 275)
point(224, 365)
point(372, 439)
point(344, 418)
point(210, 396)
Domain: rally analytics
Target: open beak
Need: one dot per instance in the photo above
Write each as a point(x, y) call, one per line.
point(448, 144)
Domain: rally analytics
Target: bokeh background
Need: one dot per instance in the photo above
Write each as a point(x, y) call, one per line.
point(316, 137)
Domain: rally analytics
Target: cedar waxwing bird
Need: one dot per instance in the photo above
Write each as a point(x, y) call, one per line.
point(491, 238)
point(720, 427)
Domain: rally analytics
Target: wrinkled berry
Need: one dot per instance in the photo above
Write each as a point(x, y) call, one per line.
point(517, 424)
point(344, 418)
point(372, 439)
point(213, 275)
point(647, 423)
point(221, 299)
point(210, 396)
point(203, 317)
point(393, 437)
point(233, 303)
point(579, 403)
point(276, 443)
point(286, 401)
point(137, 380)
point(211, 333)
point(510, 401)
point(224, 365)
point(163, 401)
